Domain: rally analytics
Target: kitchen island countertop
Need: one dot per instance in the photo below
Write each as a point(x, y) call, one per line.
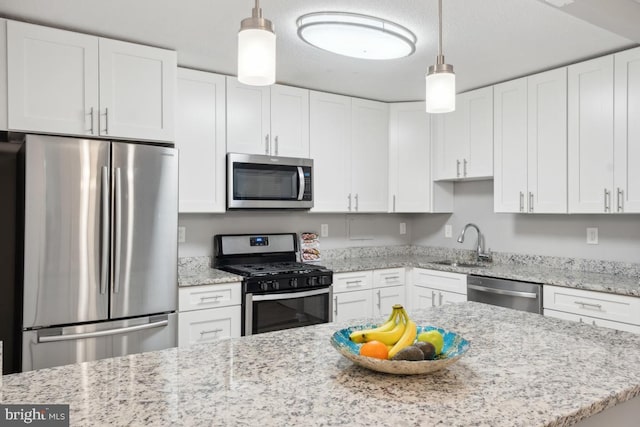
point(522, 370)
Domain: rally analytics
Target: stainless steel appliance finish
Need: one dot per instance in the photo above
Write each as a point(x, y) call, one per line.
point(277, 292)
point(524, 296)
point(100, 245)
point(269, 182)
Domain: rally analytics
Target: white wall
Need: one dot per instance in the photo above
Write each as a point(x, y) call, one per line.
point(552, 235)
point(353, 230)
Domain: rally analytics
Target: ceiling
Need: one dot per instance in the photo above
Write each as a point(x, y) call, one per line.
point(487, 41)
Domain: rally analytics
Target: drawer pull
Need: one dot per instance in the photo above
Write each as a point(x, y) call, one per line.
point(589, 305)
point(212, 331)
point(214, 297)
point(354, 283)
point(433, 299)
point(391, 277)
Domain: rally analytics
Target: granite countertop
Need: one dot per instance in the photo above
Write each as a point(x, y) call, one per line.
point(522, 369)
point(208, 276)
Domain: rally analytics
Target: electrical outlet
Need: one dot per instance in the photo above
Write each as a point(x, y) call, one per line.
point(592, 235)
point(448, 232)
point(403, 228)
point(182, 234)
point(324, 230)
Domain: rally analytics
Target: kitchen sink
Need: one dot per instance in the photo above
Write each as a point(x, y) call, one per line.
point(459, 263)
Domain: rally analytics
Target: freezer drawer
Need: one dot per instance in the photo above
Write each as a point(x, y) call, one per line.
point(45, 348)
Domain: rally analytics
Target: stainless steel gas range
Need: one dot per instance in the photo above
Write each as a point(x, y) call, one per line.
point(277, 291)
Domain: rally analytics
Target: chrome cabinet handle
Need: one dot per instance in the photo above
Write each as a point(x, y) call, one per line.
point(464, 167)
point(521, 201)
point(433, 298)
point(356, 202)
point(349, 208)
point(530, 202)
point(379, 301)
point(276, 140)
point(593, 322)
point(104, 275)
point(457, 168)
point(440, 298)
point(106, 121)
point(607, 207)
point(212, 331)
point(118, 230)
point(391, 277)
point(335, 306)
point(589, 305)
point(619, 199)
point(214, 297)
point(266, 144)
point(91, 116)
point(394, 203)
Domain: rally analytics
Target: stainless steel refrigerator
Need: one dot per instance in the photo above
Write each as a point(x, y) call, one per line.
point(100, 249)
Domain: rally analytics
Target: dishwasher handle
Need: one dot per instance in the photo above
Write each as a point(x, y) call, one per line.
point(503, 291)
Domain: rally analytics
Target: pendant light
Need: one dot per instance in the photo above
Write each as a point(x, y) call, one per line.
point(440, 79)
point(256, 50)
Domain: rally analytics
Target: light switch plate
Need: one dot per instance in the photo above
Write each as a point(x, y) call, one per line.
point(324, 230)
point(182, 234)
point(592, 235)
point(448, 231)
point(403, 228)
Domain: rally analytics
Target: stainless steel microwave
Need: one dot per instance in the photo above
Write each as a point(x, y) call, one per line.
point(267, 182)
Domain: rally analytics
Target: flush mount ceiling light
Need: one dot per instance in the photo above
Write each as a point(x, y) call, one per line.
point(440, 79)
point(355, 35)
point(256, 50)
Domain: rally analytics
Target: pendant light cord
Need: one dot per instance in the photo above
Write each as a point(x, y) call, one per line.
point(439, 27)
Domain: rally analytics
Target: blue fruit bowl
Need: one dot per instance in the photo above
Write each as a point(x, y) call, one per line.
point(454, 348)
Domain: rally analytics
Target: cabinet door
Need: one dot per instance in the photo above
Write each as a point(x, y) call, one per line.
point(137, 91)
point(627, 132)
point(478, 121)
point(450, 144)
point(352, 305)
point(510, 146)
point(590, 130)
point(289, 121)
point(3, 74)
point(330, 149)
point(52, 80)
point(547, 142)
point(248, 118)
point(423, 297)
point(369, 151)
point(409, 162)
point(200, 138)
point(202, 326)
point(445, 297)
point(385, 298)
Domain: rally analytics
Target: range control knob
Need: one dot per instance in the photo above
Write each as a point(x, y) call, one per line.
point(294, 282)
point(275, 285)
point(264, 286)
point(312, 281)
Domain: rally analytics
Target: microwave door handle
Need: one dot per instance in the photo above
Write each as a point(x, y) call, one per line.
point(300, 183)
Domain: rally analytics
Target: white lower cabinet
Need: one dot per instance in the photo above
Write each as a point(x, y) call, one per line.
point(608, 310)
point(352, 305)
point(209, 313)
point(388, 290)
point(432, 288)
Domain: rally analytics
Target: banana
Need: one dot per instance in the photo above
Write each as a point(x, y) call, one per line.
point(408, 336)
point(359, 336)
point(387, 337)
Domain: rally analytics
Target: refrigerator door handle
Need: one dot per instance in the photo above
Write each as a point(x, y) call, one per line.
point(118, 230)
point(106, 332)
point(104, 267)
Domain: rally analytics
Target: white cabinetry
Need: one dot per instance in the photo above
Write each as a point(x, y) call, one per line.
point(609, 310)
point(3, 74)
point(330, 149)
point(200, 137)
point(208, 313)
point(627, 132)
point(411, 187)
point(530, 148)
point(388, 290)
point(465, 138)
point(432, 288)
point(70, 83)
point(271, 120)
point(590, 131)
point(352, 296)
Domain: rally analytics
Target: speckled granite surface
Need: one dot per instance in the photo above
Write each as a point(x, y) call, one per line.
point(522, 369)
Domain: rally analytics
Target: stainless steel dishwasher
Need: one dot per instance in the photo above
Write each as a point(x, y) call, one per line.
point(524, 296)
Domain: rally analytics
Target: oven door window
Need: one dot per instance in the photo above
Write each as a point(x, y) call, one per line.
point(289, 312)
point(265, 182)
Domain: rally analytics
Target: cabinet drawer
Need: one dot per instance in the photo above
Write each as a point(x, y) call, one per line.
point(202, 326)
point(592, 321)
point(209, 296)
point(442, 280)
point(388, 277)
point(356, 281)
point(618, 308)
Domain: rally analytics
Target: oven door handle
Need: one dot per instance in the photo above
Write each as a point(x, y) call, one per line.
point(503, 291)
point(300, 183)
point(275, 297)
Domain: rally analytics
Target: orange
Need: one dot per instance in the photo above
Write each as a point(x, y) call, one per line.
point(374, 349)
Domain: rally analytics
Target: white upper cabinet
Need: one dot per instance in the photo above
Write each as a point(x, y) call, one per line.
point(627, 132)
point(200, 139)
point(464, 148)
point(510, 146)
point(3, 74)
point(69, 83)
point(271, 120)
point(369, 150)
point(590, 130)
point(330, 149)
point(411, 188)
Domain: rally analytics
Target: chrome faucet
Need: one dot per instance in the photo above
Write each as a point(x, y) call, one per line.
point(481, 254)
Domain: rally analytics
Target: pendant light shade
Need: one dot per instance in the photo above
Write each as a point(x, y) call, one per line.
point(256, 50)
point(440, 81)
